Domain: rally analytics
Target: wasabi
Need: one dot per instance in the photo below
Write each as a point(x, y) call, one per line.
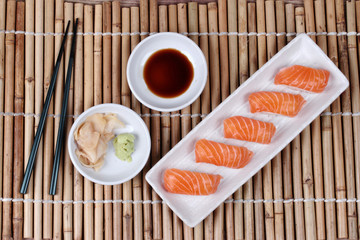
point(124, 146)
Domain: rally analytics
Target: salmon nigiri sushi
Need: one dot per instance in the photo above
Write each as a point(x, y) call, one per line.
point(306, 78)
point(248, 129)
point(190, 183)
point(276, 102)
point(221, 154)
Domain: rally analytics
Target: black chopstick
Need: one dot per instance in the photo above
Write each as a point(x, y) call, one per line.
point(60, 136)
point(30, 165)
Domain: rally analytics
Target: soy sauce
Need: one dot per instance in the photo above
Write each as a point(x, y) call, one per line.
point(168, 73)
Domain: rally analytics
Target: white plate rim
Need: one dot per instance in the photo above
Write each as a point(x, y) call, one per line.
point(138, 48)
point(300, 37)
point(95, 110)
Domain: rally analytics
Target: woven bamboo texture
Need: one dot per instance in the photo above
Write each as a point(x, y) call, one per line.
point(309, 191)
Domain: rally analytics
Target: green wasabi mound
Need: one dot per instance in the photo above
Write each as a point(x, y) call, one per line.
point(124, 146)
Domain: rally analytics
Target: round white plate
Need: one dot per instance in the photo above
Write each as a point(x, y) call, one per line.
point(115, 171)
point(145, 49)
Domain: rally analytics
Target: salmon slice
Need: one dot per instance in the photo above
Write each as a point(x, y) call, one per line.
point(247, 129)
point(190, 183)
point(276, 102)
point(221, 154)
point(306, 78)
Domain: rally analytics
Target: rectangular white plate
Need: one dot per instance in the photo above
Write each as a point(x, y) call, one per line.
point(303, 51)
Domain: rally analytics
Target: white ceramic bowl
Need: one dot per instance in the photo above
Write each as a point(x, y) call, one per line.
point(114, 171)
point(145, 49)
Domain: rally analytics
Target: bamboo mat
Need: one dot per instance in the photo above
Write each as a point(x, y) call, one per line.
point(311, 190)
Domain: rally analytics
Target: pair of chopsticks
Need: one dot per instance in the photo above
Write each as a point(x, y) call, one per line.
point(60, 136)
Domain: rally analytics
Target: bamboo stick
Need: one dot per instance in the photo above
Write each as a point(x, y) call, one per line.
point(59, 91)
point(317, 152)
point(267, 171)
point(344, 151)
point(214, 56)
point(2, 93)
point(204, 45)
point(173, 26)
point(89, 96)
point(137, 180)
point(116, 39)
point(126, 101)
point(280, 23)
point(258, 179)
point(288, 193)
point(225, 89)
point(248, 187)
point(233, 41)
point(125, 90)
point(224, 50)
point(96, 225)
point(79, 59)
point(116, 230)
point(106, 56)
point(141, 188)
point(238, 71)
point(165, 129)
point(149, 22)
point(98, 56)
point(185, 125)
point(243, 41)
point(39, 99)
point(354, 85)
point(148, 194)
point(297, 183)
point(216, 95)
point(152, 26)
point(278, 194)
point(248, 190)
point(316, 146)
point(307, 174)
point(194, 27)
point(75, 106)
point(270, 27)
point(205, 228)
point(17, 217)
point(82, 70)
point(169, 221)
point(351, 175)
point(49, 125)
point(185, 119)
point(68, 170)
point(296, 160)
point(163, 18)
point(9, 120)
point(309, 17)
point(320, 24)
point(154, 16)
point(286, 153)
point(327, 127)
point(107, 98)
point(261, 28)
point(357, 149)
point(29, 108)
point(144, 14)
point(88, 57)
point(277, 162)
point(175, 132)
